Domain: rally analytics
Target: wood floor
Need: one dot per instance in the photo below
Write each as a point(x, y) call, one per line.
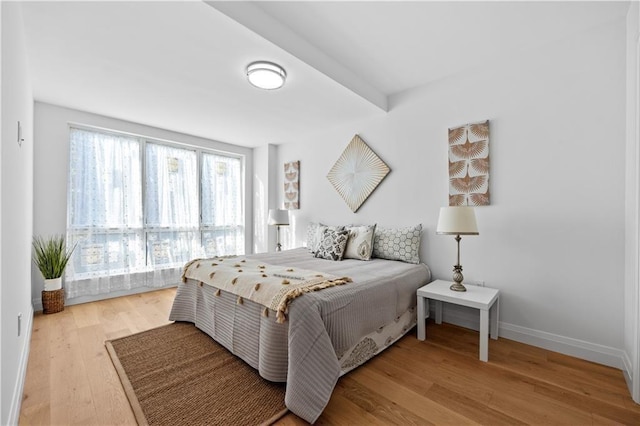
point(70, 378)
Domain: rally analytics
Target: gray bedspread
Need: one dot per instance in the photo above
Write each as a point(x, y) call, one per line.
point(320, 324)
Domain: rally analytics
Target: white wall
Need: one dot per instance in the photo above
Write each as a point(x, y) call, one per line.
point(553, 238)
point(2, 138)
point(51, 163)
point(265, 197)
point(16, 198)
point(632, 180)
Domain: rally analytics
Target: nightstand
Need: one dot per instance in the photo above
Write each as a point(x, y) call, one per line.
point(487, 300)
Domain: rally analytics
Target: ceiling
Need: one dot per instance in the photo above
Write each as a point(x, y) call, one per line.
point(181, 65)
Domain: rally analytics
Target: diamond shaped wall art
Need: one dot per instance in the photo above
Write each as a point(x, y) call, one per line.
point(357, 173)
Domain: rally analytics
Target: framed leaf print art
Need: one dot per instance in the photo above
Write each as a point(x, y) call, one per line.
point(469, 165)
point(292, 185)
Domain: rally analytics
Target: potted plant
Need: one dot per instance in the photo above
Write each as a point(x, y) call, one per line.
point(51, 257)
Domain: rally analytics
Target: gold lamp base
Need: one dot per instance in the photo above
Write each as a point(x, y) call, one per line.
point(457, 279)
point(278, 245)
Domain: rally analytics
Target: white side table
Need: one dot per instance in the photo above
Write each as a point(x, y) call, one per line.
point(483, 298)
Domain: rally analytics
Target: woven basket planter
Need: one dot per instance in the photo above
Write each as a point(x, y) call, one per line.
point(52, 301)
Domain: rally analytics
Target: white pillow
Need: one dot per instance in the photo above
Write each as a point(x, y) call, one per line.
point(360, 243)
point(398, 244)
point(312, 239)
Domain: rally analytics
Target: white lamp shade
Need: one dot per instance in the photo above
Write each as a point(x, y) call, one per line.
point(266, 75)
point(457, 221)
point(278, 217)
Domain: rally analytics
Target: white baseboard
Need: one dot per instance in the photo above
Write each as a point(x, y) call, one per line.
point(566, 345)
point(16, 400)
point(627, 371)
point(469, 318)
point(37, 303)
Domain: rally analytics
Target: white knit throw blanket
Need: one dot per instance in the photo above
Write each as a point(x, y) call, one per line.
point(272, 286)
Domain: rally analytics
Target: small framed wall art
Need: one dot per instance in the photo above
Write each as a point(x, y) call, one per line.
point(292, 185)
point(469, 165)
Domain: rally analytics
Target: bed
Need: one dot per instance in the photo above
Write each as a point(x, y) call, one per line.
point(326, 334)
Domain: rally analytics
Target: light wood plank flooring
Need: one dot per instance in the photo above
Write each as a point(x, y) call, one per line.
point(70, 378)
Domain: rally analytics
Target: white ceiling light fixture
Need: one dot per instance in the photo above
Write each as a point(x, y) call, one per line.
point(266, 75)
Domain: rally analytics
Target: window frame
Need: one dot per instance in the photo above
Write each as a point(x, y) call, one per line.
point(143, 140)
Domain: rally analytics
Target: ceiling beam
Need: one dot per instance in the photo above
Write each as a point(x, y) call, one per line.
point(260, 22)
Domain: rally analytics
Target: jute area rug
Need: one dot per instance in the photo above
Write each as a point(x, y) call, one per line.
point(177, 375)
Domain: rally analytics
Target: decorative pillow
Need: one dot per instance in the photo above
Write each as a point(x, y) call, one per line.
point(315, 233)
point(360, 242)
point(312, 236)
point(332, 244)
point(398, 244)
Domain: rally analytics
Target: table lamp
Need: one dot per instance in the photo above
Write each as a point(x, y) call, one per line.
point(278, 218)
point(457, 221)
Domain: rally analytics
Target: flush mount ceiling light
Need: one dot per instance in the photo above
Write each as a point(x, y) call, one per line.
point(266, 75)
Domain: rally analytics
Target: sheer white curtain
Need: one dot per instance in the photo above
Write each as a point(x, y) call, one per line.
point(172, 207)
point(104, 212)
point(123, 242)
point(222, 209)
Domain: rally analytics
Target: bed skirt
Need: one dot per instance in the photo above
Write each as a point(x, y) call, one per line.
point(260, 341)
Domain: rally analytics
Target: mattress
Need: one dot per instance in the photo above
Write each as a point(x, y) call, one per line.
point(327, 332)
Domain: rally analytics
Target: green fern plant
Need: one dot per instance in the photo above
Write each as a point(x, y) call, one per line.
point(51, 255)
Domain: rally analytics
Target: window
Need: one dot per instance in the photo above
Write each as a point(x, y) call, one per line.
point(139, 209)
point(221, 205)
point(172, 208)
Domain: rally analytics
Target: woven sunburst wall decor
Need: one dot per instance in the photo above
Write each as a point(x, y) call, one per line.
point(357, 173)
point(292, 185)
point(469, 165)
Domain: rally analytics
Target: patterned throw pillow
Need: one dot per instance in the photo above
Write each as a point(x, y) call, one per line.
point(315, 233)
point(360, 243)
point(398, 244)
point(332, 244)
